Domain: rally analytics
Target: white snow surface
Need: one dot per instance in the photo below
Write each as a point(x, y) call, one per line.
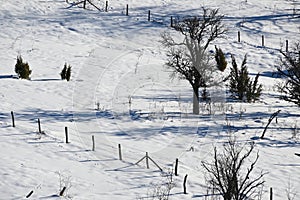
point(116, 59)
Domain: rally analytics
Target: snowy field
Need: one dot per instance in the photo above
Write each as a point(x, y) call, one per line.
point(118, 65)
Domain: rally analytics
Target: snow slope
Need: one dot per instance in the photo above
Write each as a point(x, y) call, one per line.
point(117, 59)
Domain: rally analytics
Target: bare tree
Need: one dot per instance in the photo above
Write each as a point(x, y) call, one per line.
point(289, 69)
point(188, 58)
point(161, 190)
point(229, 176)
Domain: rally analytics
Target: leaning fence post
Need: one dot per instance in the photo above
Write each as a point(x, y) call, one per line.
point(12, 118)
point(93, 141)
point(269, 122)
point(62, 191)
point(176, 167)
point(126, 9)
point(149, 13)
point(106, 6)
point(39, 124)
point(239, 36)
point(120, 152)
point(184, 184)
point(66, 133)
point(29, 194)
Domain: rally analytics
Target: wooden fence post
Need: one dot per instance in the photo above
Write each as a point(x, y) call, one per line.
point(171, 21)
point(147, 160)
point(120, 152)
point(126, 9)
point(184, 184)
point(93, 140)
point(287, 46)
point(106, 6)
point(84, 4)
point(176, 167)
point(239, 36)
point(149, 17)
point(271, 193)
point(66, 133)
point(39, 124)
point(29, 194)
point(263, 40)
point(13, 118)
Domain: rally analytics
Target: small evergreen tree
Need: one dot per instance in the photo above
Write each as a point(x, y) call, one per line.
point(220, 59)
point(63, 72)
point(241, 86)
point(68, 73)
point(22, 69)
point(253, 90)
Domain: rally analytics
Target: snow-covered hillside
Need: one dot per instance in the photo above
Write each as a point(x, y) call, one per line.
point(117, 59)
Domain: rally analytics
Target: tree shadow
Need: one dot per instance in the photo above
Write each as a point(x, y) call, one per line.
point(47, 79)
point(268, 142)
point(51, 116)
point(8, 77)
point(205, 195)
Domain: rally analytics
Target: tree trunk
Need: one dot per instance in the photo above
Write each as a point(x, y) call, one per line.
point(196, 101)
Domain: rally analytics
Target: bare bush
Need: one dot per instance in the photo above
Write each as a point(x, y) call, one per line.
point(161, 190)
point(228, 174)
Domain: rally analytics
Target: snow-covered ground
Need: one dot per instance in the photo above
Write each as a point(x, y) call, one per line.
point(117, 59)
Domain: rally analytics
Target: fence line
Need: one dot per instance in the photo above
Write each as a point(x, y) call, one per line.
point(173, 20)
point(146, 157)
